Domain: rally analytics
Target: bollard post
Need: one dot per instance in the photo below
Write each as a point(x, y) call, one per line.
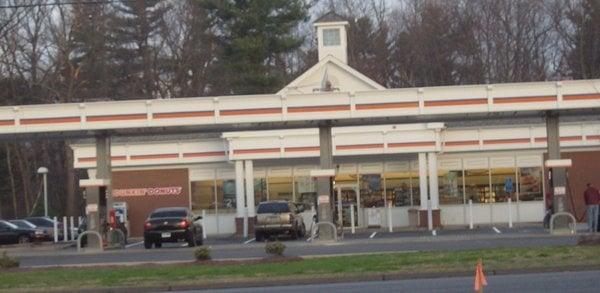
point(79, 220)
point(429, 215)
point(353, 229)
point(55, 230)
point(72, 221)
point(65, 229)
point(389, 216)
point(471, 214)
point(203, 225)
point(245, 223)
point(510, 221)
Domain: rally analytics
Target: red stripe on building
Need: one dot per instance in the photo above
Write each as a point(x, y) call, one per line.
point(107, 118)
point(93, 159)
point(571, 138)
point(359, 146)
point(202, 155)
point(256, 151)
point(412, 144)
point(581, 97)
point(461, 143)
point(455, 102)
point(31, 121)
point(7, 122)
point(153, 157)
point(331, 108)
point(507, 141)
point(183, 114)
point(302, 149)
point(258, 111)
point(524, 99)
point(384, 106)
point(589, 137)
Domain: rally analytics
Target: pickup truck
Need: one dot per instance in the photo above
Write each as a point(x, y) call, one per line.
point(279, 218)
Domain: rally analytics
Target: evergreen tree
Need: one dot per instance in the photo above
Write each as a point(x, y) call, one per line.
point(255, 35)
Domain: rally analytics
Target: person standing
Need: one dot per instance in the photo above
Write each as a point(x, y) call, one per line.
point(592, 199)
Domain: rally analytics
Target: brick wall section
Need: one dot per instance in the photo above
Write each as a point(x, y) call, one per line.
point(141, 206)
point(586, 168)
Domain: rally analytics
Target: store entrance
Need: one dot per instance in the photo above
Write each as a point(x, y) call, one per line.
point(347, 195)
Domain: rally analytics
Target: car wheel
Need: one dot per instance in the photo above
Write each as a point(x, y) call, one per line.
point(190, 239)
point(303, 231)
point(147, 244)
point(158, 244)
point(23, 239)
point(259, 236)
point(199, 241)
point(294, 233)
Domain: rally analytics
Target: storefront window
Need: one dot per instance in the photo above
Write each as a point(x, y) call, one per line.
point(371, 190)
point(416, 188)
point(450, 187)
point(280, 188)
point(398, 188)
point(477, 185)
point(530, 184)
point(226, 199)
point(260, 190)
point(203, 195)
point(306, 190)
point(504, 185)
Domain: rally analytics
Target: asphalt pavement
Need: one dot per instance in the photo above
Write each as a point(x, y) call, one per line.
point(555, 282)
point(364, 242)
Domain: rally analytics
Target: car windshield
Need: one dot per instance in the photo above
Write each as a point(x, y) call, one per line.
point(273, 208)
point(169, 214)
point(42, 222)
point(9, 224)
point(23, 224)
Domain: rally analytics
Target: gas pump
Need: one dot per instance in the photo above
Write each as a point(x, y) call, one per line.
point(558, 182)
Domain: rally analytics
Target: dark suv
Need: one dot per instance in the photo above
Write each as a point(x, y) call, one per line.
point(172, 225)
point(279, 217)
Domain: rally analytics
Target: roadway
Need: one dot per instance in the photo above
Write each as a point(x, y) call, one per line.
point(366, 242)
point(580, 281)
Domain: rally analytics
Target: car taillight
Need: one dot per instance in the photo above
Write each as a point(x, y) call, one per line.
point(147, 225)
point(183, 224)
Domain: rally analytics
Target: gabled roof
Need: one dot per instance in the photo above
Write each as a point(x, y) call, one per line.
point(330, 17)
point(330, 67)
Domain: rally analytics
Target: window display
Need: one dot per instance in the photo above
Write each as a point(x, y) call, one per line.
point(371, 191)
point(398, 189)
point(203, 195)
point(450, 186)
point(477, 186)
point(504, 185)
point(280, 188)
point(306, 190)
point(530, 184)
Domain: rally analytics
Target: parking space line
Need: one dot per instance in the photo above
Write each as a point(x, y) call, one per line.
point(249, 241)
point(373, 235)
point(496, 229)
point(133, 244)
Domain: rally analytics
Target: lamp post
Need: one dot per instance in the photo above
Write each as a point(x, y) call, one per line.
point(44, 172)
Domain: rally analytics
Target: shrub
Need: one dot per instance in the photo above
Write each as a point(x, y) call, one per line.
point(7, 262)
point(202, 253)
point(275, 248)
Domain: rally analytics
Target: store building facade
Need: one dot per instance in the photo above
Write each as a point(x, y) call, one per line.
point(380, 169)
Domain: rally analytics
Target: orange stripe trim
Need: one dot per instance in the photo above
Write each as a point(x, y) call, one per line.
point(411, 144)
point(93, 159)
point(7, 122)
point(257, 111)
point(183, 114)
point(104, 118)
point(201, 155)
point(256, 151)
point(302, 149)
point(32, 121)
point(455, 102)
point(505, 141)
point(593, 137)
point(581, 97)
point(318, 108)
point(524, 99)
point(571, 138)
point(151, 157)
point(461, 143)
point(387, 106)
point(359, 146)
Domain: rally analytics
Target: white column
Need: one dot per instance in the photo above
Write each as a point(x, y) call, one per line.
point(433, 181)
point(423, 180)
point(239, 189)
point(250, 188)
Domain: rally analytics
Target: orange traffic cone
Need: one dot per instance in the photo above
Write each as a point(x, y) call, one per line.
point(480, 280)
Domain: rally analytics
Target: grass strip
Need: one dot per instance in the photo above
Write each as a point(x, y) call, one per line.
point(410, 263)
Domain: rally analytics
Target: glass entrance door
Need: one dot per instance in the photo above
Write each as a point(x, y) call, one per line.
point(346, 196)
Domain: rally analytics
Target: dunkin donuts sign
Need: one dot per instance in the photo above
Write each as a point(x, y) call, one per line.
point(152, 191)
